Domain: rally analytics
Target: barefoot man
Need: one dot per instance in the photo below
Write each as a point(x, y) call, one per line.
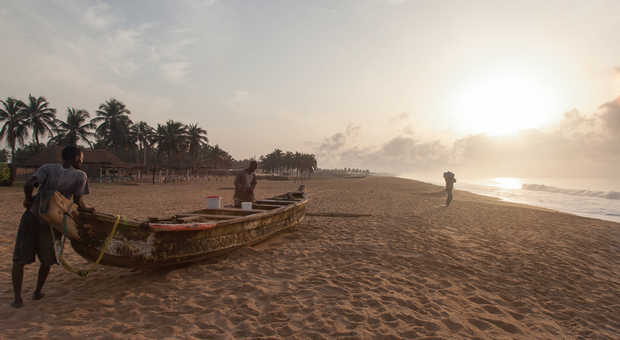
point(450, 180)
point(33, 235)
point(245, 182)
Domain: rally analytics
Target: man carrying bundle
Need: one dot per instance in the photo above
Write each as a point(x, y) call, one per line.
point(450, 180)
point(245, 182)
point(34, 235)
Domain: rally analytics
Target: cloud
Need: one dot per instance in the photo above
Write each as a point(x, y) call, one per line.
point(399, 118)
point(578, 146)
point(175, 71)
point(332, 144)
point(99, 16)
point(337, 141)
point(352, 130)
point(610, 115)
point(201, 4)
point(396, 2)
point(408, 130)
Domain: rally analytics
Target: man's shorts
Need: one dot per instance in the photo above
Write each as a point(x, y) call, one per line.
point(33, 237)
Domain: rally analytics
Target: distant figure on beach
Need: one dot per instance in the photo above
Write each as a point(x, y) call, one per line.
point(450, 180)
point(34, 235)
point(245, 182)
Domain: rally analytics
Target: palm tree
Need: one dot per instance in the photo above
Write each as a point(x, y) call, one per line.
point(170, 137)
point(113, 125)
point(144, 135)
point(75, 128)
point(197, 138)
point(15, 127)
point(219, 157)
point(39, 116)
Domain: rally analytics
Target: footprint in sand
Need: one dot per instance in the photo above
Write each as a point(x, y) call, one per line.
point(508, 327)
point(481, 325)
point(453, 326)
point(517, 316)
point(493, 310)
point(479, 300)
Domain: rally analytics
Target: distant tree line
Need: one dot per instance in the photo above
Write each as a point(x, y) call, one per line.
point(32, 126)
point(171, 143)
point(343, 172)
point(288, 163)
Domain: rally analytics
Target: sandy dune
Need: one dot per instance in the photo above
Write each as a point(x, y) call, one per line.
point(481, 269)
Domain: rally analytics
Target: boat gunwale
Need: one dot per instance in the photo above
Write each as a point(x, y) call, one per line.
point(197, 226)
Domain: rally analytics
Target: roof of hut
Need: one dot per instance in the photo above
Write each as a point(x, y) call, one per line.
point(98, 157)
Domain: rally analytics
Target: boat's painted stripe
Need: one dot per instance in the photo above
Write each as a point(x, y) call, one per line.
point(182, 226)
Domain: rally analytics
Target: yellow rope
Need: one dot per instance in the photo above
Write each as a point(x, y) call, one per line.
point(85, 272)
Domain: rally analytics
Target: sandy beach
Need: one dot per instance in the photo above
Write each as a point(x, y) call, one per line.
point(480, 269)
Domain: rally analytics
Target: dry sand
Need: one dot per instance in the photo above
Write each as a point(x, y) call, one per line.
point(480, 269)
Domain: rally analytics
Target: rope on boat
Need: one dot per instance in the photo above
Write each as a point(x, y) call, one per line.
point(84, 272)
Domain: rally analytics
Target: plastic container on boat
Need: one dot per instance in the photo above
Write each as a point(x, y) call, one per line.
point(214, 202)
point(246, 205)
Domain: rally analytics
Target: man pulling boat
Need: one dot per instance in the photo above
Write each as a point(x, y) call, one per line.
point(34, 235)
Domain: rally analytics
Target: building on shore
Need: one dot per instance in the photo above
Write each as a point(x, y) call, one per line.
point(100, 165)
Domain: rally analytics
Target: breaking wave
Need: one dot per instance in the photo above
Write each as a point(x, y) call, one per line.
point(611, 195)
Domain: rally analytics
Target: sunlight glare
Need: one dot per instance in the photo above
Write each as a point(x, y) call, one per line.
point(507, 182)
point(504, 105)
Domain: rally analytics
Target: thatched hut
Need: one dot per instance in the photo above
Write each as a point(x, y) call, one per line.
point(101, 165)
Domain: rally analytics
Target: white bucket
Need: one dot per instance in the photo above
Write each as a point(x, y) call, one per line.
point(214, 202)
point(246, 205)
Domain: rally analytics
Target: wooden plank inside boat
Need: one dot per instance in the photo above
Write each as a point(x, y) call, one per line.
point(265, 206)
point(202, 218)
point(211, 216)
point(275, 202)
point(227, 211)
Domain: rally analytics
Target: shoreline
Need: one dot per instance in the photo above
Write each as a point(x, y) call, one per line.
point(525, 202)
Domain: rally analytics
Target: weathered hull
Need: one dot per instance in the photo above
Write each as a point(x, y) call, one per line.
point(147, 244)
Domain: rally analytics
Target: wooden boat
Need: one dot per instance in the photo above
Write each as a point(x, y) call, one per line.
point(186, 237)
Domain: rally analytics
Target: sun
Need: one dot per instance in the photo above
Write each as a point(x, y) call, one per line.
point(504, 104)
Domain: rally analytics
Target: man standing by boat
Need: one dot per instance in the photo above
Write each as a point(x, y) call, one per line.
point(34, 235)
point(245, 182)
point(450, 180)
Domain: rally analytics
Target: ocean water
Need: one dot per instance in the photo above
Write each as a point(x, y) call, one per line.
point(589, 197)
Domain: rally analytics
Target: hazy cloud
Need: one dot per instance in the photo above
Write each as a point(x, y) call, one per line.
point(352, 131)
point(579, 145)
point(408, 130)
point(201, 4)
point(99, 16)
point(396, 2)
point(610, 114)
point(399, 118)
point(175, 71)
point(332, 144)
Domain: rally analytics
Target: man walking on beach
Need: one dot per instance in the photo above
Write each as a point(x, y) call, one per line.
point(245, 182)
point(450, 180)
point(34, 235)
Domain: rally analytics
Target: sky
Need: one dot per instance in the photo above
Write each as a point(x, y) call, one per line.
point(390, 85)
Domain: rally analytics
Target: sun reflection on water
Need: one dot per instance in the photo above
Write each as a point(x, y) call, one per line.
point(507, 182)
